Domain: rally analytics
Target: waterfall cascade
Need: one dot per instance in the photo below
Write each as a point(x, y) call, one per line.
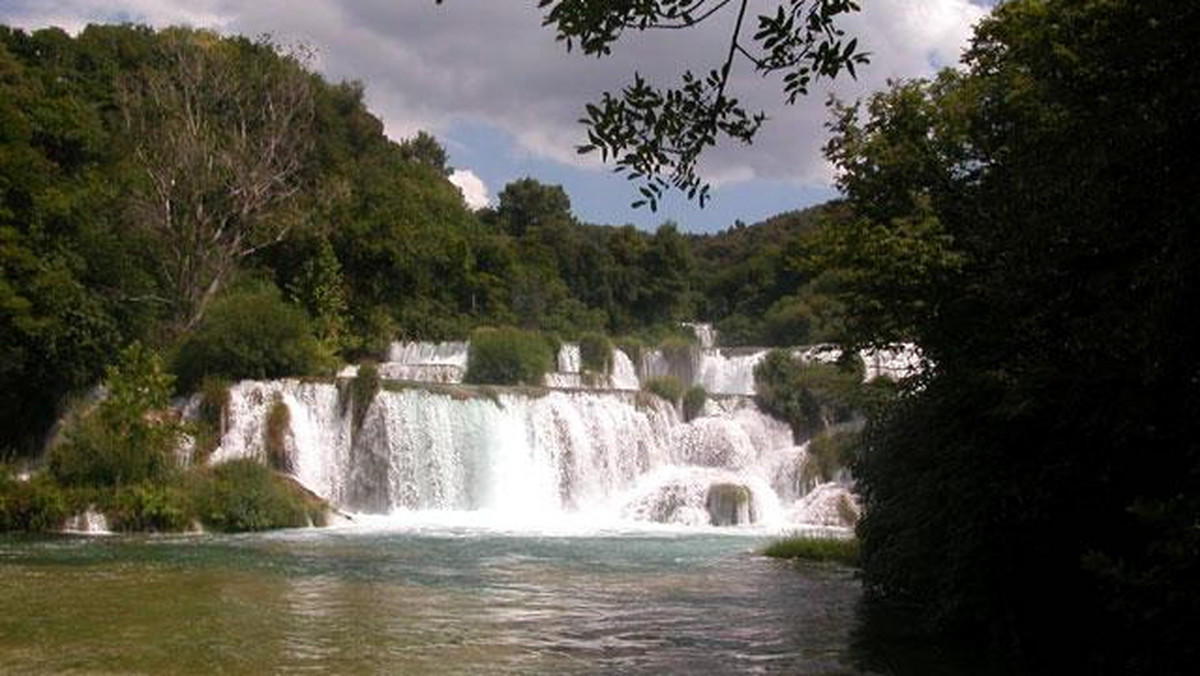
point(521, 455)
point(718, 370)
point(587, 444)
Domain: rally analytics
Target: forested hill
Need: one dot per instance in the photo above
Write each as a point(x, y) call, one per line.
point(169, 187)
point(757, 282)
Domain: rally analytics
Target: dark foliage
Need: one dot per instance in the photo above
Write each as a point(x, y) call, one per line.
point(249, 333)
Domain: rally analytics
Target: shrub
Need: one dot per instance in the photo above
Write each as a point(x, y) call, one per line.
point(249, 334)
point(596, 353)
point(667, 387)
point(126, 438)
point(677, 348)
point(809, 396)
point(843, 551)
point(243, 495)
point(37, 505)
point(693, 402)
point(508, 356)
point(214, 418)
point(214, 402)
point(148, 507)
point(275, 434)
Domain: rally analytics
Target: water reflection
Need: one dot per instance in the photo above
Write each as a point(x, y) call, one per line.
point(388, 603)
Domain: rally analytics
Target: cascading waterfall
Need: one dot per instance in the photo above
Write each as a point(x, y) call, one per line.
point(426, 362)
point(718, 370)
point(587, 445)
point(524, 455)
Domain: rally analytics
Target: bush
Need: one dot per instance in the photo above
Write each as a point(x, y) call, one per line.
point(126, 438)
point(213, 419)
point(667, 387)
point(148, 507)
point(693, 402)
point(815, 549)
point(243, 495)
point(37, 505)
point(677, 348)
point(249, 334)
point(810, 397)
point(596, 353)
point(509, 356)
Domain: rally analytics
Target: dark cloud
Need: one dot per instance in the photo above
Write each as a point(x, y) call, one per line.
point(491, 61)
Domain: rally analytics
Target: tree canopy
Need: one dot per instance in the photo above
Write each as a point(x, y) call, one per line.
point(1030, 222)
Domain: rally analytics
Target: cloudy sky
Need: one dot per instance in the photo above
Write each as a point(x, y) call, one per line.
point(504, 97)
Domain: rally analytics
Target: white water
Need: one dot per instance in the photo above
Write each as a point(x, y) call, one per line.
point(88, 522)
point(706, 335)
point(517, 458)
point(718, 370)
point(570, 358)
point(423, 362)
point(589, 450)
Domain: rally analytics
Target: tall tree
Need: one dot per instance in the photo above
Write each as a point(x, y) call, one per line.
point(221, 135)
point(1032, 225)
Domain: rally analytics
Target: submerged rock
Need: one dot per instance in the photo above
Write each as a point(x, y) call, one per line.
point(729, 505)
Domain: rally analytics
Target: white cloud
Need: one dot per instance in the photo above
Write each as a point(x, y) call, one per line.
point(488, 61)
point(473, 189)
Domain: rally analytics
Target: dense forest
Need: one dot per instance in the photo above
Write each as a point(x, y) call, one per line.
point(168, 187)
point(1028, 219)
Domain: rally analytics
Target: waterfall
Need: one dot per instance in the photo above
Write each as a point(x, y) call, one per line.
point(624, 375)
point(718, 370)
point(522, 454)
point(87, 522)
point(424, 362)
point(729, 371)
point(569, 358)
point(706, 335)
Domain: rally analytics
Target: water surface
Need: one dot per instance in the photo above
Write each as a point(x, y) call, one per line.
point(443, 600)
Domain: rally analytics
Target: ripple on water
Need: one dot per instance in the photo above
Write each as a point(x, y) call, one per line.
point(346, 602)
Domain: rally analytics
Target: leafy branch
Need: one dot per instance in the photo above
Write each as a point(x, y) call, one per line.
point(655, 136)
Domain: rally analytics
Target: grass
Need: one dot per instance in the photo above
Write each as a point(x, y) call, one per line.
point(811, 548)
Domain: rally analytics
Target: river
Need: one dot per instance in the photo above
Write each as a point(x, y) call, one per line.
point(431, 599)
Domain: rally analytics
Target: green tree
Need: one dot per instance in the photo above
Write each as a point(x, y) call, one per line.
point(321, 289)
point(1031, 224)
point(128, 437)
point(249, 333)
point(425, 149)
point(221, 135)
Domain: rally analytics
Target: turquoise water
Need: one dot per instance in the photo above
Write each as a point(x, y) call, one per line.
point(419, 601)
